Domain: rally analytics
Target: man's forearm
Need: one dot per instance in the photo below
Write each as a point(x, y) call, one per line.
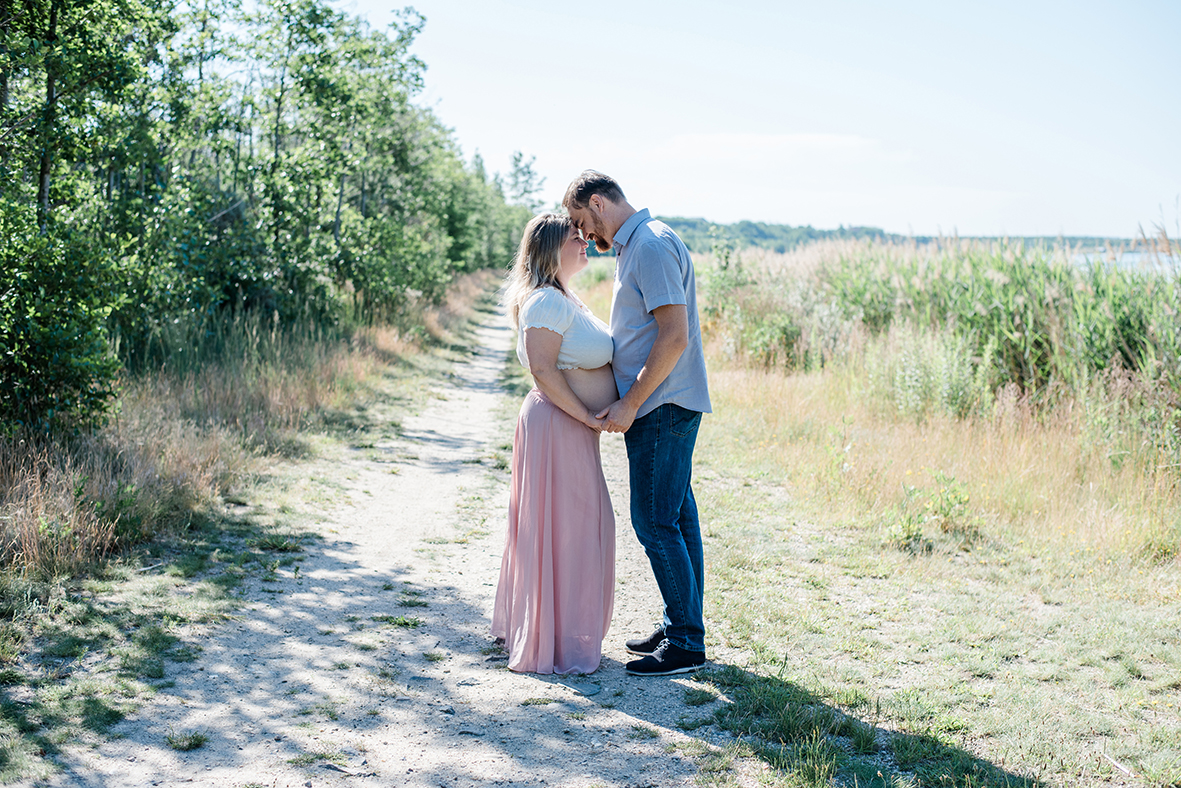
point(672, 337)
point(663, 357)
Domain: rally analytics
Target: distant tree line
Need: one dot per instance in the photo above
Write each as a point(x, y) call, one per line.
point(165, 162)
point(701, 235)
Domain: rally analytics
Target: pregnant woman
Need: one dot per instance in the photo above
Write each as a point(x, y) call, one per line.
point(557, 577)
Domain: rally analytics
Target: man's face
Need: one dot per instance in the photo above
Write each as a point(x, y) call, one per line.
point(590, 223)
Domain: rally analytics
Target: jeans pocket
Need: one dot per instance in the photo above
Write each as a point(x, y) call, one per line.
point(684, 421)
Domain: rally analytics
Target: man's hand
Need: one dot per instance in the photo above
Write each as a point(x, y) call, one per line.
point(618, 416)
point(593, 421)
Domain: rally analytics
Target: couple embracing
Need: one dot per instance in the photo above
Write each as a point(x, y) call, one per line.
point(644, 376)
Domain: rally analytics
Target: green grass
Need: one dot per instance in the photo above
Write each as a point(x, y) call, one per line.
point(320, 756)
point(409, 622)
point(184, 742)
point(988, 654)
point(695, 696)
point(409, 600)
point(278, 543)
point(538, 701)
point(328, 707)
point(125, 623)
point(801, 731)
point(687, 723)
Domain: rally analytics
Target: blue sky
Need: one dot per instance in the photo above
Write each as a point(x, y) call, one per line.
point(1034, 118)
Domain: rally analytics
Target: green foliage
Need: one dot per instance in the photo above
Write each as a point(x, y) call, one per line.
point(57, 289)
point(186, 741)
point(1027, 316)
point(213, 158)
point(928, 372)
point(944, 507)
point(958, 323)
point(786, 323)
point(409, 622)
point(523, 183)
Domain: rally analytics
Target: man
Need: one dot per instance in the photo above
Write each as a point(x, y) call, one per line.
point(660, 373)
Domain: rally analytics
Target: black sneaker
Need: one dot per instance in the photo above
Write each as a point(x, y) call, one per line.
point(645, 646)
point(666, 660)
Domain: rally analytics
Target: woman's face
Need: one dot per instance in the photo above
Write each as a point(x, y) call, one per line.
point(573, 258)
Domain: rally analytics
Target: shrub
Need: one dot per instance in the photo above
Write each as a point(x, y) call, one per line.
point(57, 289)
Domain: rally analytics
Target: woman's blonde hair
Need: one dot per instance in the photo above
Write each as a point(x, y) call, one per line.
point(538, 259)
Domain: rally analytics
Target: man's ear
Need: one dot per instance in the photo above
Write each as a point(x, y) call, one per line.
point(596, 202)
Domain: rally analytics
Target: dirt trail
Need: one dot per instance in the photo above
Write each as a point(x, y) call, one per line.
point(314, 682)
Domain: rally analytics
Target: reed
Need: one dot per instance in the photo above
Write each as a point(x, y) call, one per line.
point(867, 373)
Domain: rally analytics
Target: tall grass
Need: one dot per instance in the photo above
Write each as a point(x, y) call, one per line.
point(1045, 321)
point(876, 375)
point(223, 397)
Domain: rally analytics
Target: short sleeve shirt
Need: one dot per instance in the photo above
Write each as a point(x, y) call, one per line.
point(586, 340)
point(653, 269)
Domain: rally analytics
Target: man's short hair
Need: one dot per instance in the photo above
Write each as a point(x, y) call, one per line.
point(589, 183)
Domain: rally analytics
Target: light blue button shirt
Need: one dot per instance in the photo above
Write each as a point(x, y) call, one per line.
point(653, 269)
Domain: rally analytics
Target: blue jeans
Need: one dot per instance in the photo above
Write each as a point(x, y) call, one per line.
point(664, 516)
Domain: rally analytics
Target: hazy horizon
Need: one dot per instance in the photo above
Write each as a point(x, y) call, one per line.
point(1018, 119)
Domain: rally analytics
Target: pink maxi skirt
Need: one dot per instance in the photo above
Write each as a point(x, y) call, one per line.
point(557, 577)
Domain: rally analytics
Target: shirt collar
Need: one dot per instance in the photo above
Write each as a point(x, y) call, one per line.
point(625, 232)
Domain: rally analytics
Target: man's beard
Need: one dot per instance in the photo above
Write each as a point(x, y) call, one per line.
point(598, 231)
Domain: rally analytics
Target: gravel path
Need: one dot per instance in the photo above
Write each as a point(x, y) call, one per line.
point(317, 681)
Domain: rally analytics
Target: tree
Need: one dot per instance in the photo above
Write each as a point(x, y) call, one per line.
point(524, 184)
point(57, 288)
point(62, 64)
point(176, 162)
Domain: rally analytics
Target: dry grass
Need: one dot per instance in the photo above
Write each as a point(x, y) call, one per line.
point(825, 437)
point(69, 504)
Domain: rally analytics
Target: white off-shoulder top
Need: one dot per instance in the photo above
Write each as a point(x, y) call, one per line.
point(586, 340)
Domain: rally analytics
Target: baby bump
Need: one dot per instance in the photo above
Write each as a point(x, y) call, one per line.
point(595, 387)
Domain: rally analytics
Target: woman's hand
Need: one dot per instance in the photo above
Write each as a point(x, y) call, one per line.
point(618, 416)
point(541, 347)
point(593, 422)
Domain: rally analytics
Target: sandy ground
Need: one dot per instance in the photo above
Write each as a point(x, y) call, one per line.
point(304, 687)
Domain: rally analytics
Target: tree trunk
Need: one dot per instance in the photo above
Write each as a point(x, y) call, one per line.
point(339, 203)
point(201, 54)
point(5, 26)
point(47, 131)
point(238, 140)
point(276, 208)
point(250, 178)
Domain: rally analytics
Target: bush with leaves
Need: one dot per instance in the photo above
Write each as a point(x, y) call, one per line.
point(57, 289)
